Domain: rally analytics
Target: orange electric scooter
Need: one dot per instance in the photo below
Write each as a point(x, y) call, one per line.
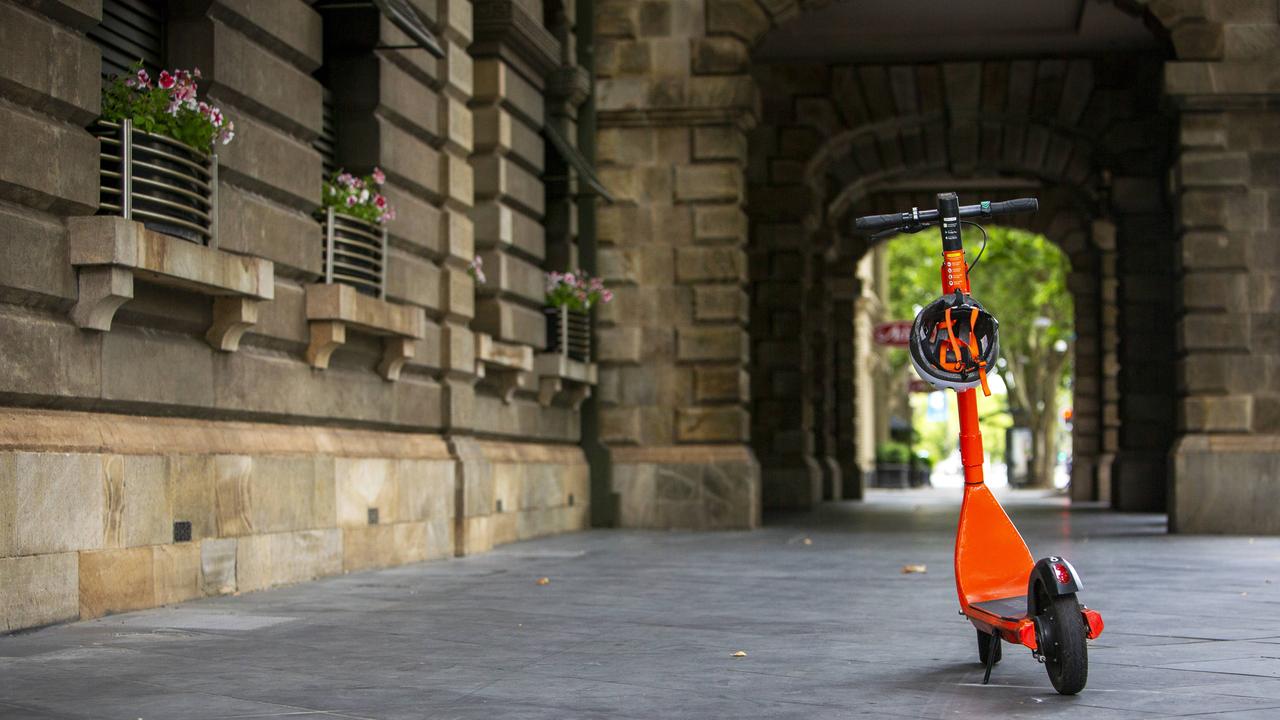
point(1004, 592)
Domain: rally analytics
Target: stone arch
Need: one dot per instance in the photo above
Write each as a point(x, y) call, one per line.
point(832, 138)
point(1191, 34)
point(678, 95)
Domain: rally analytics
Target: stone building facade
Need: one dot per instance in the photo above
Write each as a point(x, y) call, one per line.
point(1154, 162)
point(184, 419)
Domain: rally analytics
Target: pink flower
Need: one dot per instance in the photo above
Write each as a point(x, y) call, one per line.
point(166, 80)
point(204, 109)
point(351, 201)
point(379, 202)
point(378, 177)
point(215, 117)
point(345, 179)
point(144, 79)
point(607, 296)
point(389, 215)
point(569, 278)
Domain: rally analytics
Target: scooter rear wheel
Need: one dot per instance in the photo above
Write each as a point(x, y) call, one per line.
point(985, 644)
point(1060, 633)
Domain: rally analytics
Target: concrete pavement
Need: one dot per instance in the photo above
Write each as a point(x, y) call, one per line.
point(644, 625)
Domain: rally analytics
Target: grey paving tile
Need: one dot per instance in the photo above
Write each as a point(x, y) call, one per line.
point(641, 625)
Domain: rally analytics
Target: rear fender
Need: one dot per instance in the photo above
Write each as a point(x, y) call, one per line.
point(1056, 575)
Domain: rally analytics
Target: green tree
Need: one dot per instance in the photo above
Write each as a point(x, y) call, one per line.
point(1022, 280)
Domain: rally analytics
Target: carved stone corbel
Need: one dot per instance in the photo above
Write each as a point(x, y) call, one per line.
point(326, 336)
point(396, 351)
point(231, 317)
point(103, 289)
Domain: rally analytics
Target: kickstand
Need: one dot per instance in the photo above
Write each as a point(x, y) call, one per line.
point(993, 647)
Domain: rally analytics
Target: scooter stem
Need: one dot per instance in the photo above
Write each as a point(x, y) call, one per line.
point(970, 436)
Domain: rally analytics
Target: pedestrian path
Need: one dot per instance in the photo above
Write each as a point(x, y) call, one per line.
point(811, 617)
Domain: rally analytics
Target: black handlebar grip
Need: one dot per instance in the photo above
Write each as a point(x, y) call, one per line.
point(1020, 205)
point(877, 222)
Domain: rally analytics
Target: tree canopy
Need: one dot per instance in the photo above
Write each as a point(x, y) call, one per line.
point(1021, 278)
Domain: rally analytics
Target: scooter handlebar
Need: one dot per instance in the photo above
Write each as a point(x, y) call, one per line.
point(919, 218)
point(1009, 207)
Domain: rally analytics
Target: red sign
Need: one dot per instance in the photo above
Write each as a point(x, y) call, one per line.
point(919, 386)
point(896, 333)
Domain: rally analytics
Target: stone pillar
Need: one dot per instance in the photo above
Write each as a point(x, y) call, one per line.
point(1104, 238)
point(457, 291)
point(843, 289)
point(1145, 301)
point(783, 390)
point(821, 376)
point(674, 107)
point(1225, 465)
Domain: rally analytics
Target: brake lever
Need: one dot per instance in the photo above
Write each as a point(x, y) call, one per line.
point(907, 229)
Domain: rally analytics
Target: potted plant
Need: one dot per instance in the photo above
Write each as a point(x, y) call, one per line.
point(157, 145)
point(893, 465)
point(921, 470)
point(570, 296)
point(354, 218)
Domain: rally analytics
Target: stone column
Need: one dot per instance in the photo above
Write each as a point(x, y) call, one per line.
point(843, 290)
point(821, 377)
point(782, 392)
point(457, 291)
point(673, 108)
point(1225, 475)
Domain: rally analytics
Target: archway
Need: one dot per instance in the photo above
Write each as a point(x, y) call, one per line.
point(699, 133)
point(836, 142)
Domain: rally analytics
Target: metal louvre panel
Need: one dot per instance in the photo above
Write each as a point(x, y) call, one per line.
point(172, 186)
point(359, 251)
point(131, 30)
point(568, 333)
point(327, 143)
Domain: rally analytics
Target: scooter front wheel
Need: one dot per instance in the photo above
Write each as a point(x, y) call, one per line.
point(1061, 637)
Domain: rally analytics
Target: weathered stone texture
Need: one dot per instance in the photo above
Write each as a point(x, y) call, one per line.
point(38, 590)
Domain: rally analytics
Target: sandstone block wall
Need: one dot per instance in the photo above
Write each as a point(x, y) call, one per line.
point(338, 469)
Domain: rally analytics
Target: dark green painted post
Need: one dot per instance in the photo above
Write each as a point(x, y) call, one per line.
point(604, 502)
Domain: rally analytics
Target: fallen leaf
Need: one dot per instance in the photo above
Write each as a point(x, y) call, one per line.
point(544, 581)
point(807, 541)
point(740, 653)
point(909, 569)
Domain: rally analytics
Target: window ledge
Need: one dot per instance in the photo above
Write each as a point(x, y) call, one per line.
point(331, 309)
point(109, 252)
point(503, 365)
point(560, 376)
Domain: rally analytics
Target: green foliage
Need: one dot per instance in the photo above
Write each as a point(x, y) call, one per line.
point(576, 291)
point(1022, 277)
point(893, 453)
point(169, 107)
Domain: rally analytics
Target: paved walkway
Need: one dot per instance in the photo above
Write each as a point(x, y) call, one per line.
point(643, 625)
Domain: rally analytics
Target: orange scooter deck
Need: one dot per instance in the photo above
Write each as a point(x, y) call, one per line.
point(992, 563)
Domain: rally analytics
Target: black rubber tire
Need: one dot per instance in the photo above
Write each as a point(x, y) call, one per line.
point(1068, 662)
point(985, 643)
